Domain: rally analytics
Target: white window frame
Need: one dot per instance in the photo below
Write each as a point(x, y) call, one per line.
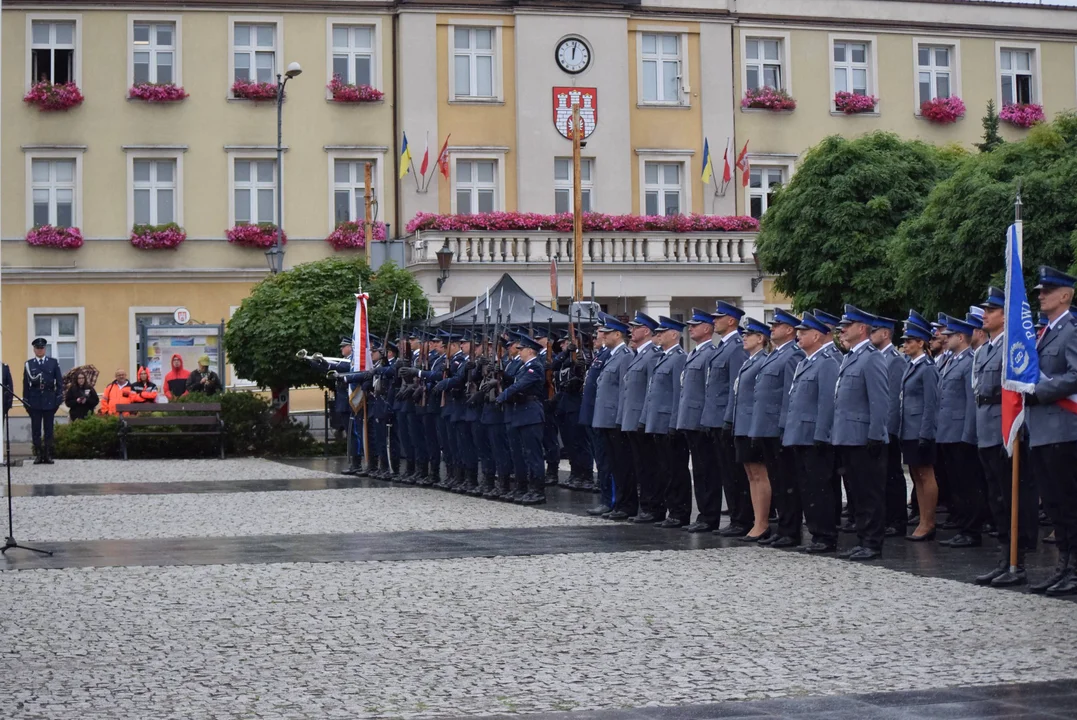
point(498, 69)
point(58, 154)
point(785, 41)
point(873, 64)
point(377, 176)
point(1035, 64)
point(177, 37)
point(278, 51)
point(148, 154)
point(588, 185)
point(266, 154)
point(685, 94)
point(80, 328)
point(955, 66)
point(770, 160)
point(370, 21)
point(499, 176)
point(31, 18)
point(132, 326)
point(684, 157)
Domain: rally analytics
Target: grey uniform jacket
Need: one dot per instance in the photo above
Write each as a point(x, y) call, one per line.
point(608, 394)
point(957, 406)
point(811, 401)
point(634, 387)
point(919, 401)
point(739, 410)
point(1049, 424)
point(664, 391)
point(861, 400)
point(771, 401)
point(694, 387)
point(895, 369)
point(725, 364)
point(987, 387)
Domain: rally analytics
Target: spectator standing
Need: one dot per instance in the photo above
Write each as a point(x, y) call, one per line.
point(81, 398)
point(142, 390)
point(176, 380)
point(114, 393)
point(203, 379)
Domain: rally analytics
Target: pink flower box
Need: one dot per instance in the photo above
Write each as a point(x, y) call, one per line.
point(54, 237)
point(350, 235)
point(1022, 115)
point(943, 110)
point(344, 93)
point(258, 91)
point(852, 104)
point(263, 235)
point(48, 97)
point(592, 222)
point(151, 92)
point(157, 237)
point(767, 98)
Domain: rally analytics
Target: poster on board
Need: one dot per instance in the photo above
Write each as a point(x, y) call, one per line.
point(160, 343)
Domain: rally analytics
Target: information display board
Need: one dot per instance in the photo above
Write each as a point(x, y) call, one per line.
point(190, 342)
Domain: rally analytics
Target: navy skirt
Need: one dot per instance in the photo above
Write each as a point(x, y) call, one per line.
point(915, 455)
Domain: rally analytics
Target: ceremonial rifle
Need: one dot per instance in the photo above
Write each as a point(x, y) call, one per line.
point(549, 359)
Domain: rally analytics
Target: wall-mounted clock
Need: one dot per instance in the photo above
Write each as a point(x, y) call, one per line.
point(573, 55)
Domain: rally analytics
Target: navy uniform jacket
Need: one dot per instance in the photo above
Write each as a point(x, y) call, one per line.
point(739, 410)
point(590, 387)
point(957, 406)
point(771, 400)
point(634, 387)
point(987, 384)
point(431, 378)
point(568, 383)
point(831, 350)
point(919, 401)
point(526, 394)
point(724, 366)
point(9, 389)
point(664, 391)
point(895, 368)
point(1048, 423)
point(512, 366)
point(453, 387)
point(694, 386)
point(811, 401)
point(861, 401)
point(608, 391)
point(42, 384)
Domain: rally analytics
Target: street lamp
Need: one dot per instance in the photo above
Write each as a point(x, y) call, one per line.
point(444, 256)
point(275, 255)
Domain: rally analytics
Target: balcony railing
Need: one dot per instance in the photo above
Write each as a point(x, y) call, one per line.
point(518, 247)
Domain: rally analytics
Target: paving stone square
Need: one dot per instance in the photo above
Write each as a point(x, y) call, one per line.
point(141, 471)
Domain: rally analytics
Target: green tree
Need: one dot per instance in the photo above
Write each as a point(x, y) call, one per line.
point(955, 248)
point(990, 122)
point(828, 233)
point(310, 307)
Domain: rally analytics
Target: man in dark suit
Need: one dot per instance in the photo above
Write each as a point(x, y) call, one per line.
point(42, 392)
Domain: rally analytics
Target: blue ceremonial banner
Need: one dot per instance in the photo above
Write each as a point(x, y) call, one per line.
point(1022, 363)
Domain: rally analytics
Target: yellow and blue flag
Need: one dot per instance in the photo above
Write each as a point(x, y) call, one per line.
point(405, 158)
point(708, 166)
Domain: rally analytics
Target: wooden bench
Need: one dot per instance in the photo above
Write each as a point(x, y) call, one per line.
point(207, 415)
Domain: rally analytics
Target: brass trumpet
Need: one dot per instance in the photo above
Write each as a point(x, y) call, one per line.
point(318, 357)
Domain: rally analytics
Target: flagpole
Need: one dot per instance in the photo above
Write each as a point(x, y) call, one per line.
point(1015, 471)
point(577, 205)
point(368, 219)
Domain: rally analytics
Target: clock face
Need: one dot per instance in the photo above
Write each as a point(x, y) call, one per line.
point(573, 55)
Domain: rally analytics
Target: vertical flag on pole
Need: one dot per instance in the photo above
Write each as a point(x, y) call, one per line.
point(1022, 363)
point(361, 359)
point(426, 158)
point(553, 283)
point(443, 157)
point(405, 158)
point(708, 166)
point(742, 163)
point(727, 161)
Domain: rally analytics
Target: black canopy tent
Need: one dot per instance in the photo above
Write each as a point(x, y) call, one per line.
point(511, 298)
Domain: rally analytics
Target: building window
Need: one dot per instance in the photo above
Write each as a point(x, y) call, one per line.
point(53, 191)
point(762, 181)
point(353, 54)
point(851, 67)
point(147, 319)
point(562, 184)
point(476, 186)
point(934, 72)
point(153, 53)
point(254, 52)
point(61, 332)
point(349, 188)
point(662, 188)
point(661, 54)
point(473, 62)
point(255, 191)
point(763, 63)
point(52, 51)
point(1016, 76)
point(154, 191)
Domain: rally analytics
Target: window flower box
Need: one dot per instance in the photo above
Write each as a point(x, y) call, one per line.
point(49, 97)
point(345, 93)
point(154, 93)
point(943, 110)
point(767, 98)
point(350, 235)
point(262, 235)
point(69, 238)
point(852, 104)
point(257, 91)
point(592, 222)
point(1022, 115)
point(157, 237)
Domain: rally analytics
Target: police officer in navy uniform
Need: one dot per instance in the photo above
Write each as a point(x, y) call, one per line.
point(527, 395)
point(42, 393)
point(918, 403)
point(689, 420)
point(658, 415)
point(882, 337)
point(604, 479)
point(645, 479)
point(606, 417)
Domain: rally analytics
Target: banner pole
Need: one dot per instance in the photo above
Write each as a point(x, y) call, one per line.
point(1016, 470)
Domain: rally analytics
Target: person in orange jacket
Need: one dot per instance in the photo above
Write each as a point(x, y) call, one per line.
point(175, 383)
point(113, 394)
point(142, 390)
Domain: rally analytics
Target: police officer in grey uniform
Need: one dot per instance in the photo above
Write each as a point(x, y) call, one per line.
point(659, 413)
point(646, 475)
point(689, 421)
point(738, 420)
point(918, 423)
point(42, 394)
point(607, 405)
point(882, 337)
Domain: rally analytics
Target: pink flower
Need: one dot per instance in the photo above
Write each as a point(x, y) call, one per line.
point(350, 235)
point(943, 110)
point(1022, 115)
point(254, 90)
point(151, 92)
point(49, 97)
point(262, 235)
point(49, 236)
point(768, 98)
point(157, 237)
point(592, 222)
point(851, 104)
point(344, 93)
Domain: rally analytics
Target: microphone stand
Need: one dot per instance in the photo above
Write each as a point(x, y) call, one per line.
point(9, 541)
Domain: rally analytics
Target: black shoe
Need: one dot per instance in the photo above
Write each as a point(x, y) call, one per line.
point(819, 547)
point(349, 471)
point(1066, 585)
point(643, 518)
point(1043, 519)
point(551, 478)
point(785, 542)
point(671, 522)
point(732, 530)
point(617, 515)
point(41, 461)
point(756, 538)
point(950, 525)
point(962, 541)
point(1051, 539)
point(846, 554)
point(533, 498)
point(926, 537)
point(699, 527)
point(770, 539)
point(1056, 575)
point(987, 577)
point(597, 510)
point(890, 531)
point(848, 527)
point(913, 521)
point(1010, 579)
point(866, 554)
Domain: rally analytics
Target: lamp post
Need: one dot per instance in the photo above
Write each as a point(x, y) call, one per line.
point(444, 256)
point(275, 255)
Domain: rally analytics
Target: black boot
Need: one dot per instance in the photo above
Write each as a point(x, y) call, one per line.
point(405, 473)
point(489, 485)
point(1016, 577)
point(1067, 584)
point(434, 473)
point(551, 476)
point(503, 489)
point(536, 494)
point(423, 479)
point(1001, 568)
point(1056, 575)
point(39, 456)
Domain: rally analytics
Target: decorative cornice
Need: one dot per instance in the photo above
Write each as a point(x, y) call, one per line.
point(491, 149)
point(180, 148)
point(75, 276)
point(260, 148)
point(53, 146)
point(664, 151)
point(357, 148)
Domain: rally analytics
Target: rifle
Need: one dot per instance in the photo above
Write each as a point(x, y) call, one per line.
point(471, 347)
point(550, 392)
point(445, 365)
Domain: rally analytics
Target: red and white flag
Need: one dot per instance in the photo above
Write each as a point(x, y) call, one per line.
point(727, 161)
point(361, 359)
point(743, 165)
point(426, 158)
point(443, 157)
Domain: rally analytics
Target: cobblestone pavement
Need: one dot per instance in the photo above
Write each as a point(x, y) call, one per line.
point(504, 635)
point(367, 510)
point(119, 471)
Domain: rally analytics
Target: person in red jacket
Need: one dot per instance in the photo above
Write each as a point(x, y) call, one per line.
point(141, 390)
point(176, 379)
